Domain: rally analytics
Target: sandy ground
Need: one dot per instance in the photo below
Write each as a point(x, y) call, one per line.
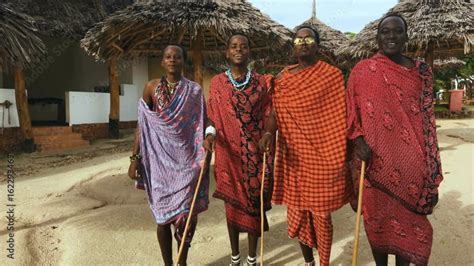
point(79, 208)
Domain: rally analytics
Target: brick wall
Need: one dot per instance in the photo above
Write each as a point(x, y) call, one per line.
point(10, 140)
point(98, 131)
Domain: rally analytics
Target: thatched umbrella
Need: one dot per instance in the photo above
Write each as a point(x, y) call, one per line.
point(451, 63)
point(68, 19)
point(19, 48)
point(331, 39)
point(436, 29)
point(203, 27)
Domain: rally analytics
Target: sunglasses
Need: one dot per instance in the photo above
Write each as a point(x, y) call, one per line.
point(306, 40)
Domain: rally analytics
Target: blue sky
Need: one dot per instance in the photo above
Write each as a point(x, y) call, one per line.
point(344, 15)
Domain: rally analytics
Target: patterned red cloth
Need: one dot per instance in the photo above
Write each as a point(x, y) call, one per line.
point(180, 225)
point(239, 118)
point(310, 172)
point(392, 108)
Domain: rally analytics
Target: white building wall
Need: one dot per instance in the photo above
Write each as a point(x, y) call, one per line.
point(140, 74)
point(94, 107)
point(9, 94)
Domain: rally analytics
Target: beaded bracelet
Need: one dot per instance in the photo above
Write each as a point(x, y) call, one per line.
point(135, 157)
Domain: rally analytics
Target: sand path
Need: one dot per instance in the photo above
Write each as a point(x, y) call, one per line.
point(79, 208)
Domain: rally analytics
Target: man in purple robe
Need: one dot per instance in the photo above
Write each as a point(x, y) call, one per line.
point(168, 154)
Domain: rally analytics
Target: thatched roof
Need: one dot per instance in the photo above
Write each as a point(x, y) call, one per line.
point(452, 62)
point(19, 45)
point(144, 29)
point(447, 23)
point(331, 39)
point(67, 18)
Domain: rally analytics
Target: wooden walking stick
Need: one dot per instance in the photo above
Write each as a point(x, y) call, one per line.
point(355, 251)
point(196, 192)
point(262, 211)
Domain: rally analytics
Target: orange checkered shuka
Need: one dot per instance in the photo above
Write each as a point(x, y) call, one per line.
point(310, 172)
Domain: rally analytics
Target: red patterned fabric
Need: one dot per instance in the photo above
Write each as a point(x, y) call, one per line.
point(243, 221)
point(312, 229)
point(239, 119)
point(392, 108)
point(310, 172)
point(180, 225)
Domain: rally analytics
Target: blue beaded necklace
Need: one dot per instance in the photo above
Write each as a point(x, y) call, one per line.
point(239, 86)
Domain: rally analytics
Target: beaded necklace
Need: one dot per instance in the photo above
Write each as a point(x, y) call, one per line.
point(239, 86)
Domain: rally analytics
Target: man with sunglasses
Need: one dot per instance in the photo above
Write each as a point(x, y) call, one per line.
point(310, 173)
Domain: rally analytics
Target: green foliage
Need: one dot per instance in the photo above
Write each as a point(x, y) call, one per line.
point(350, 35)
point(467, 71)
point(443, 77)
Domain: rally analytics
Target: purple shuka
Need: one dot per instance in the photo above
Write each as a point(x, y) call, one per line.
point(172, 153)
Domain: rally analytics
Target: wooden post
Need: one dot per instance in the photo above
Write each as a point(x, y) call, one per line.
point(429, 54)
point(23, 112)
point(197, 57)
point(114, 116)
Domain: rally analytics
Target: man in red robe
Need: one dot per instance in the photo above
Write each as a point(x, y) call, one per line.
point(391, 126)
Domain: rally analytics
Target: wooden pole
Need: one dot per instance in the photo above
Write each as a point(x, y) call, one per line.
point(114, 116)
point(429, 54)
point(197, 57)
point(23, 112)
point(204, 167)
point(262, 210)
point(355, 251)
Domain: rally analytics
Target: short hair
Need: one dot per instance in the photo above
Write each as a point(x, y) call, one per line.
point(316, 33)
point(238, 34)
point(183, 50)
point(389, 15)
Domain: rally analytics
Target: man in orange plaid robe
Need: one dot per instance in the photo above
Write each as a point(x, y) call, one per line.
point(310, 173)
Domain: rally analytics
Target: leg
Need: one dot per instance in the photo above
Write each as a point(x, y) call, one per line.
point(253, 244)
point(399, 261)
point(234, 240)
point(381, 259)
point(184, 254)
point(307, 253)
point(301, 225)
point(324, 231)
point(165, 240)
point(180, 225)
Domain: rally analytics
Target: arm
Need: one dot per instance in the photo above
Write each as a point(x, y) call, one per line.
point(271, 121)
point(210, 133)
point(354, 123)
point(134, 169)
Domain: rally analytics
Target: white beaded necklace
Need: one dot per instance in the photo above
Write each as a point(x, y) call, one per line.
point(239, 86)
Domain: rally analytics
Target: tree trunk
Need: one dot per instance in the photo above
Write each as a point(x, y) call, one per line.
point(429, 54)
point(23, 112)
point(197, 57)
point(114, 116)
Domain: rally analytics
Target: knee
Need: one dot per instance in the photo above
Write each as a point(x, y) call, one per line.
point(163, 228)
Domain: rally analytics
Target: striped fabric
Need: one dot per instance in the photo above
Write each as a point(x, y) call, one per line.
point(310, 172)
point(172, 153)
